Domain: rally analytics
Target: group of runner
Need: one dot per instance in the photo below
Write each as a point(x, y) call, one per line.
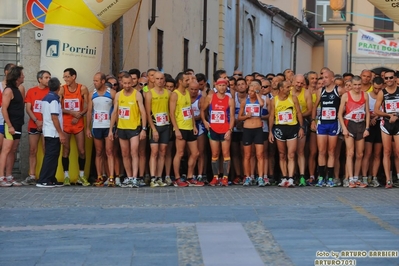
point(308, 116)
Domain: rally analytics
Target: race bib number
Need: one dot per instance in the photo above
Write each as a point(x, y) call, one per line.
point(358, 116)
point(72, 104)
point(285, 117)
point(328, 113)
point(254, 109)
point(218, 117)
point(392, 106)
point(101, 117)
point(37, 106)
point(161, 119)
point(186, 113)
point(124, 113)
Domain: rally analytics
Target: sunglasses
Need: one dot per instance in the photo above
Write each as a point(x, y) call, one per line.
point(391, 77)
point(114, 84)
point(265, 87)
point(142, 84)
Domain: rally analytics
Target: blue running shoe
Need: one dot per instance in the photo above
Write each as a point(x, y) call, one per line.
point(247, 182)
point(320, 182)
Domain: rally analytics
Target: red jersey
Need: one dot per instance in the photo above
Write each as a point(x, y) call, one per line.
point(219, 114)
point(34, 96)
point(72, 101)
point(355, 110)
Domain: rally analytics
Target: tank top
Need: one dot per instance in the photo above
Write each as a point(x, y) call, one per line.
point(72, 101)
point(252, 107)
point(183, 111)
point(1, 95)
point(391, 102)
point(237, 111)
point(102, 109)
point(355, 110)
point(160, 107)
point(285, 111)
point(15, 110)
point(302, 101)
point(371, 103)
point(219, 114)
point(265, 126)
point(128, 114)
point(196, 110)
point(329, 105)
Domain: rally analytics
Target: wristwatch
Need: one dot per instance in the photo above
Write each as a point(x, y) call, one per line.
point(144, 128)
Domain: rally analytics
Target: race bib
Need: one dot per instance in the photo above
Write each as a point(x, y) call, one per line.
point(37, 106)
point(254, 109)
point(358, 116)
point(392, 106)
point(218, 117)
point(124, 113)
point(72, 104)
point(100, 117)
point(285, 117)
point(161, 119)
point(186, 113)
point(328, 113)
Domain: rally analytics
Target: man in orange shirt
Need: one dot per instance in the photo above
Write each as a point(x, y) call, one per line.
point(74, 100)
point(33, 107)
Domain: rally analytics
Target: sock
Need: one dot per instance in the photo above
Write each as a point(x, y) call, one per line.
point(252, 176)
point(226, 166)
point(355, 178)
point(82, 163)
point(66, 174)
point(330, 172)
point(375, 178)
point(322, 171)
point(264, 176)
point(215, 166)
point(81, 173)
point(65, 163)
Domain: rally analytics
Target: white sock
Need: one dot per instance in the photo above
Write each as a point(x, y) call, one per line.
point(81, 173)
point(264, 176)
point(66, 173)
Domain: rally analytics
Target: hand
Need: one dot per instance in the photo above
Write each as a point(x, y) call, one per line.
point(39, 125)
point(88, 133)
point(62, 138)
point(143, 134)
point(178, 134)
point(227, 135)
point(195, 130)
point(248, 115)
point(373, 121)
point(300, 133)
point(155, 135)
point(366, 133)
point(393, 119)
point(110, 135)
point(76, 114)
point(345, 132)
point(75, 121)
point(313, 125)
point(271, 137)
point(207, 125)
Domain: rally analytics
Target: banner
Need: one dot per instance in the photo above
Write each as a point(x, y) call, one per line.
point(374, 45)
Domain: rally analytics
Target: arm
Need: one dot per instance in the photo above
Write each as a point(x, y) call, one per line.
point(314, 111)
point(7, 97)
point(241, 115)
point(114, 116)
point(85, 96)
point(204, 107)
point(366, 132)
point(172, 109)
point(341, 110)
point(148, 107)
point(309, 104)
point(139, 98)
point(266, 105)
point(271, 120)
point(299, 116)
point(89, 116)
point(54, 118)
point(260, 99)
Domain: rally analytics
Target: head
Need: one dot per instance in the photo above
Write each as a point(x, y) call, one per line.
point(135, 74)
point(241, 85)
point(347, 76)
point(159, 79)
point(99, 80)
point(275, 82)
point(221, 85)
point(143, 81)
point(338, 81)
point(324, 69)
point(378, 84)
point(126, 82)
point(366, 77)
point(43, 76)
point(120, 75)
point(266, 86)
point(69, 76)
point(328, 78)
point(182, 80)
point(15, 76)
point(270, 76)
point(289, 74)
point(170, 84)
point(249, 79)
point(390, 78)
point(232, 83)
point(320, 83)
point(312, 77)
point(237, 74)
point(114, 83)
point(299, 81)
point(8, 67)
point(201, 79)
point(280, 76)
point(150, 75)
point(356, 83)
point(348, 85)
point(253, 87)
point(284, 88)
point(189, 71)
point(220, 73)
point(54, 84)
point(193, 89)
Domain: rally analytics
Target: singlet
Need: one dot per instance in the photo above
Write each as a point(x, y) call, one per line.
point(284, 111)
point(265, 126)
point(329, 105)
point(72, 101)
point(252, 107)
point(371, 103)
point(160, 107)
point(196, 110)
point(15, 109)
point(102, 109)
point(129, 116)
point(237, 111)
point(355, 110)
point(184, 118)
point(370, 89)
point(219, 114)
point(34, 96)
point(302, 101)
point(1, 95)
point(391, 102)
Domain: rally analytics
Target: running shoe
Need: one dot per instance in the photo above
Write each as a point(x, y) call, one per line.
point(290, 183)
point(247, 181)
point(111, 182)
point(215, 181)
point(302, 182)
point(57, 184)
point(237, 181)
point(154, 183)
point(30, 180)
point(13, 181)
point(193, 182)
point(362, 184)
point(389, 184)
point(352, 183)
point(135, 183)
point(346, 182)
point(106, 182)
point(67, 181)
point(161, 183)
point(83, 181)
point(330, 183)
point(283, 183)
point(118, 182)
point(45, 185)
point(4, 182)
point(168, 181)
point(99, 182)
point(266, 181)
point(261, 183)
point(337, 182)
point(225, 181)
point(311, 181)
point(180, 183)
point(375, 182)
point(320, 182)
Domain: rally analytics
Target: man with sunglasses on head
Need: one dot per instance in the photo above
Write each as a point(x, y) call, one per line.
point(387, 107)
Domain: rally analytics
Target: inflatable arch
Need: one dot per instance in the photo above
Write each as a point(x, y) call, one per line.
point(389, 8)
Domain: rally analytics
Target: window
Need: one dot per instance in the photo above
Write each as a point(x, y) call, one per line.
point(160, 49)
point(11, 12)
point(185, 54)
point(207, 62)
point(382, 24)
point(323, 12)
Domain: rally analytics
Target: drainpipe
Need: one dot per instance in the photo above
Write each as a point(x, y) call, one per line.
point(237, 42)
point(295, 41)
point(204, 25)
point(350, 42)
point(151, 21)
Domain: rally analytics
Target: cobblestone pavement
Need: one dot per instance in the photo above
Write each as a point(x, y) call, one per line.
point(196, 225)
